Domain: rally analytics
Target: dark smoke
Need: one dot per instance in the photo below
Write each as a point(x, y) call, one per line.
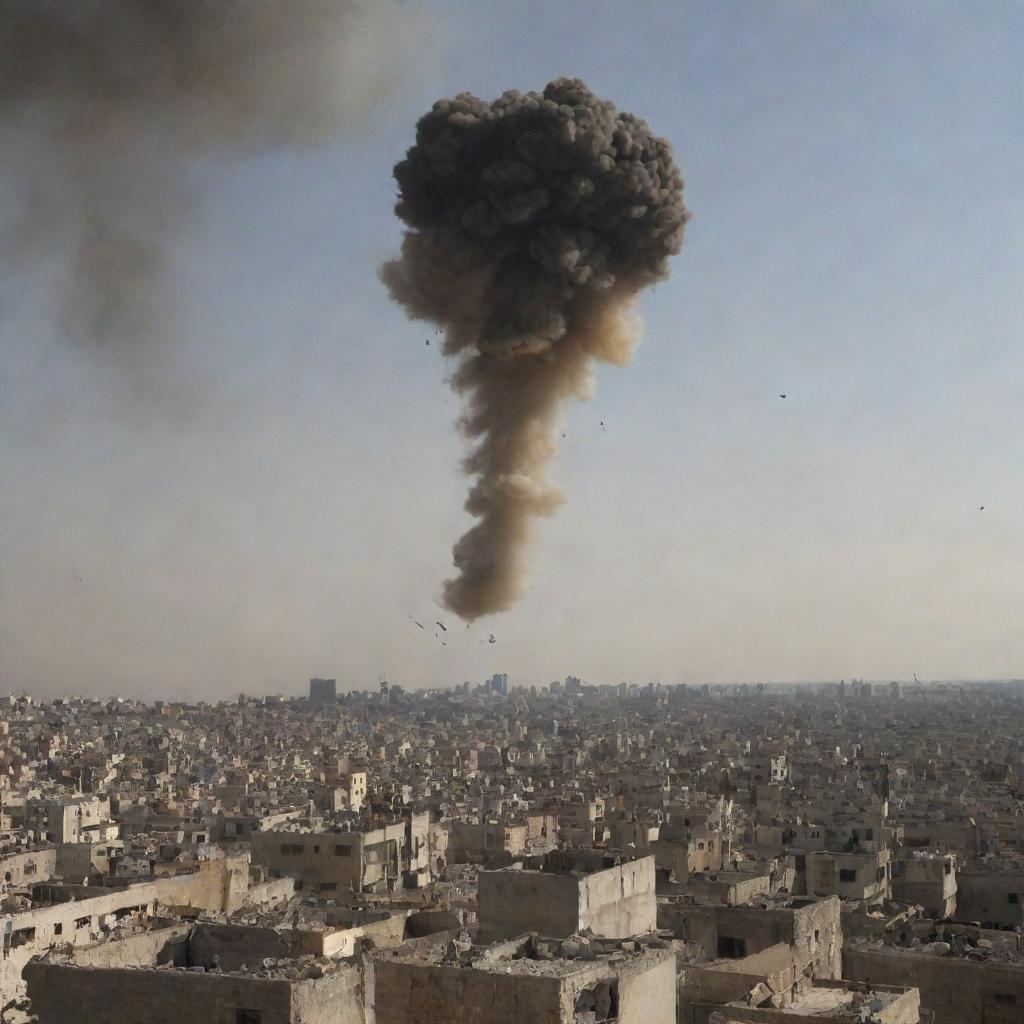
point(106, 105)
point(533, 223)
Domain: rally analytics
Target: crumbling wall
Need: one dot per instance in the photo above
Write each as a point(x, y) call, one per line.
point(698, 926)
point(513, 902)
point(156, 946)
point(647, 990)
point(79, 923)
point(986, 897)
point(817, 937)
point(414, 993)
point(959, 991)
point(89, 995)
point(336, 998)
point(235, 945)
point(620, 901)
point(26, 867)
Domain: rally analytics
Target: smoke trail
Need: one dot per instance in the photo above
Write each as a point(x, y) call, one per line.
point(106, 105)
point(533, 222)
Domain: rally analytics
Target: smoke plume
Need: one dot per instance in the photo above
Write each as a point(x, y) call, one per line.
point(533, 222)
point(106, 106)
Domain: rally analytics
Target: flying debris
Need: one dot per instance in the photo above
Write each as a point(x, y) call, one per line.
point(418, 623)
point(427, 342)
point(981, 508)
point(491, 639)
point(782, 396)
point(532, 224)
point(442, 625)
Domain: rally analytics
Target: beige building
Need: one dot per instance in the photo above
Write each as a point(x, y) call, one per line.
point(71, 820)
point(850, 876)
point(569, 896)
point(955, 989)
point(927, 879)
point(526, 981)
point(771, 987)
point(811, 927)
point(377, 860)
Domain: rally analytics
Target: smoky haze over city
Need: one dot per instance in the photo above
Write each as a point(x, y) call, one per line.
point(512, 513)
point(232, 460)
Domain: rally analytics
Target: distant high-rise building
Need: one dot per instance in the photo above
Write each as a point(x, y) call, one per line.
point(323, 691)
point(498, 684)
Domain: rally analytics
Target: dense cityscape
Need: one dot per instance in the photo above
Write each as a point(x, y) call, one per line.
point(574, 853)
point(673, 345)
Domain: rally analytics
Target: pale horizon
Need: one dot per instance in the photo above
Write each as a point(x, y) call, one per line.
point(274, 494)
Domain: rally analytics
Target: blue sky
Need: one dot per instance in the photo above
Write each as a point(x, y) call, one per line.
point(292, 491)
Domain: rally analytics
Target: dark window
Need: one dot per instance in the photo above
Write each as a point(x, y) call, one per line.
point(23, 936)
point(316, 849)
point(1005, 998)
point(58, 928)
point(82, 922)
point(817, 935)
point(847, 874)
point(328, 886)
point(1013, 897)
point(730, 947)
point(948, 868)
point(343, 851)
point(248, 1016)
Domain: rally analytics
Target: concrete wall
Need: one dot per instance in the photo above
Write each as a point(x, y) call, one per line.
point(615, 903)
point(513, 902)
point(905, 1009)
point(647, 991)
point(824, 875)
point(985, 897)
point(410, 993)
point(217, 886)
point(619, 902)
point(88, 995)
point(75, 861)
point(957, 991)
point(157, 946)
point(344, 861)
point(814, 930)
point(818, 937)
point(235, 945)
point(336, 998)
point(20, 869)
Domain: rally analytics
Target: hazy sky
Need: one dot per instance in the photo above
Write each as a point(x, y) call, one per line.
point(276, 494)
